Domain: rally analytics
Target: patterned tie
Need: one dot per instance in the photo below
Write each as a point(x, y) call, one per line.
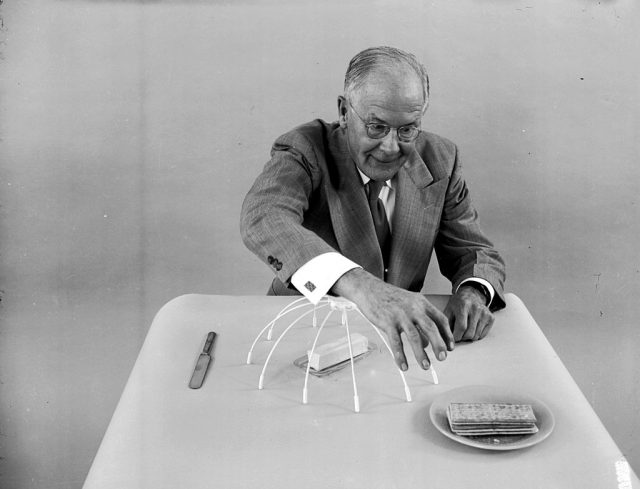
point(380, 222)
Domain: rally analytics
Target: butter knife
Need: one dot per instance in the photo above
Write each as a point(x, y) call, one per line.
point(202, 365)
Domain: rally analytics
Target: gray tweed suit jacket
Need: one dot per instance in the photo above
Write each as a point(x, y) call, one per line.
point(309, 199)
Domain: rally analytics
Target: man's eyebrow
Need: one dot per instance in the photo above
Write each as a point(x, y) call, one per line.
point(374, 118)
point(377, 120)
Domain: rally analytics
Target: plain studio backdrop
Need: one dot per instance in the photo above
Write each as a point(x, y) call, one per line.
point(131, 131)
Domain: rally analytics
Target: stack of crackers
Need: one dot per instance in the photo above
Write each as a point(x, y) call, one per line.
point(475, 419)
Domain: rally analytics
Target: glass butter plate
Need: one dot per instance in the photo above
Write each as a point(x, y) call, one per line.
point(302, 362)
point(491, 394)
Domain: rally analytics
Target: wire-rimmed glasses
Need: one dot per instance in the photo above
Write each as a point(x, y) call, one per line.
point(378, 130)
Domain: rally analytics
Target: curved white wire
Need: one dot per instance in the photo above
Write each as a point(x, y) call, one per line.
point(315, 307)
point(286, 310)
point(434, 375)
point(313, 348)
point(356, 399)
point(283, 312)
point(275, 345)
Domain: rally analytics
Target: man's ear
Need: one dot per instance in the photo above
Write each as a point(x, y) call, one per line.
point(342, 111)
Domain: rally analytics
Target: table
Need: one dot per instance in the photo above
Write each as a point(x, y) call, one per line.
point(229, 434)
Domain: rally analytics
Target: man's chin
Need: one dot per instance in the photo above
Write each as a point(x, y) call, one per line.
point(383, 170)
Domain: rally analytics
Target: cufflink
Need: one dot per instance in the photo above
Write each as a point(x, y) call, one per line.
point(278, 265)
point(270, 259)
point(310, 286)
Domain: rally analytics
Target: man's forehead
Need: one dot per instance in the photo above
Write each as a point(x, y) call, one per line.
point(397, 91)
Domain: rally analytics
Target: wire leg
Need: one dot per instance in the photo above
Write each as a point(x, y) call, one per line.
point(273, 348)
point(315, 306)
point(285, 310)
point(384, 340)
point(356, 399)
point(270, 324)
point(313, 347)
point(434, 375)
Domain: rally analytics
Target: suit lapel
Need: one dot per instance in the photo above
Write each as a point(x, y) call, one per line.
point(350, 214)
point(412, 220)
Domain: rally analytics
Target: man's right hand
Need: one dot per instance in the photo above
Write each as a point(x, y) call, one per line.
point(395, 311)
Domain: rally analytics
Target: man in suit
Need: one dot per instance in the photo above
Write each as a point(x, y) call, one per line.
point(356, 207)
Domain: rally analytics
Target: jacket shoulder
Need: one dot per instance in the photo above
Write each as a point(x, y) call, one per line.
point(309, 137)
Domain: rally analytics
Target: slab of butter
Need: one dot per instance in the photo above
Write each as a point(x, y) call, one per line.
point(329, 354)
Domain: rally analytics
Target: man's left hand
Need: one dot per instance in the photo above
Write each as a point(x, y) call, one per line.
point(468, 314)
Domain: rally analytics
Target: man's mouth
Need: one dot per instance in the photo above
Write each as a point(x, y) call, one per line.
point(386, 160)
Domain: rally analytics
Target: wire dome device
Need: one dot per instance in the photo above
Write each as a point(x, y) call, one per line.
point(333, 305)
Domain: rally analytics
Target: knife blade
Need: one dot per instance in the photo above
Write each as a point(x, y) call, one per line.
point(202, 365)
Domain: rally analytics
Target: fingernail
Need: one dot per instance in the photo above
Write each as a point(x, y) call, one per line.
point(442, 355)
point(404, 367)
point(425, 364)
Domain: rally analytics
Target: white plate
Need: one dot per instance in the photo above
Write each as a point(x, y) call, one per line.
point(487, 393)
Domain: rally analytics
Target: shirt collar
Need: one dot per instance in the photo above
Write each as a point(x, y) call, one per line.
point(365, 179)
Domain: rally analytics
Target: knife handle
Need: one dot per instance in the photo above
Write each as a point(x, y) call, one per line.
point(209, 343)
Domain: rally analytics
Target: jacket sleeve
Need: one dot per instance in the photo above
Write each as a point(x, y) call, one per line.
point(462, 249)
point(271, 222)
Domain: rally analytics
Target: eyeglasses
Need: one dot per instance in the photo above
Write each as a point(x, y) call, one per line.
point(377, 130)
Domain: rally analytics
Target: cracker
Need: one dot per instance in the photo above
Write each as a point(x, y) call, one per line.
point(491, 418)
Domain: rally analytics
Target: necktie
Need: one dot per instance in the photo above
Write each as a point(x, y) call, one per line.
point(380, 222)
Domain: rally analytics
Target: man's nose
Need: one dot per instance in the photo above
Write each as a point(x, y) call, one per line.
point(389, 143)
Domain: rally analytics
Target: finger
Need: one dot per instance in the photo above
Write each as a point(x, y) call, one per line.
point(430, 331)
point(448, 312)
point(426, 365)
point(483, 320)
point(418, 345)
point(486, 330)
point(395, 342)
point(443, 325)
point(472, 324)
point(425, 343)
point(487, 327)
point(461, 323)
point(451, 318)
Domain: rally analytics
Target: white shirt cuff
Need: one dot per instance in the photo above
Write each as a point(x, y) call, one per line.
point(317, 276)
point(483, 282)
